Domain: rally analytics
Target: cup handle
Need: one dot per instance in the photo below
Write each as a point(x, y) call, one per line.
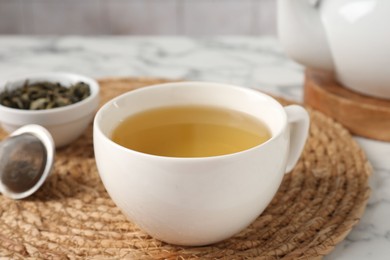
point(298, 121)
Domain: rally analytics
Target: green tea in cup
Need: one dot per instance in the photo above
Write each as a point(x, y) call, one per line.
point(190, 131)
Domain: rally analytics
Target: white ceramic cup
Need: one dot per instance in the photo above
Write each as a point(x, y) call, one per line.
point(197, 201)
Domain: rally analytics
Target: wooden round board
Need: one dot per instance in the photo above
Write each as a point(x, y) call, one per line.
point(361, 115)
point(73, 217)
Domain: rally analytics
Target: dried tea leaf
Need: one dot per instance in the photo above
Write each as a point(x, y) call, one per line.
point(38, 104)
point(44, 95)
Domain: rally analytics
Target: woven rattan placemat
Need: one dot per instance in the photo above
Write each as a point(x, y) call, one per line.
point(71, 216)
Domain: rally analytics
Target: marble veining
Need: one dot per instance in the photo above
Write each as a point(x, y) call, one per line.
point(256, 62)
point(249, 61)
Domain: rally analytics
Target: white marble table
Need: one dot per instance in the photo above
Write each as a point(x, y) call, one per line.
point(253, 62)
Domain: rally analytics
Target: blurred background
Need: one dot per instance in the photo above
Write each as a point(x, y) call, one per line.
point(138, 17)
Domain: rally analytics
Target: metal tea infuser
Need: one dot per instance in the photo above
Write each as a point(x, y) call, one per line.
point(26, 160)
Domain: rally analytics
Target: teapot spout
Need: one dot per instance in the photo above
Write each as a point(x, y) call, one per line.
point(302, 33)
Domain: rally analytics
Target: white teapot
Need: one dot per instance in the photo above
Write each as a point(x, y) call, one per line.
point(349, 37)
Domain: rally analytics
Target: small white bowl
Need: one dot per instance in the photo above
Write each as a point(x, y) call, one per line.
point(66, 123)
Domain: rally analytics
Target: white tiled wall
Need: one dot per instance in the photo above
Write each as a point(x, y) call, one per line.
point(217, 16)
point(139, 17)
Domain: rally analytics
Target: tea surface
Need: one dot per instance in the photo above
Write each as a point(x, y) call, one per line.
point(190, 131)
